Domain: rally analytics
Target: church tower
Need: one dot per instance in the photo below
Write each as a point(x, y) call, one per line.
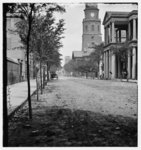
point(91, 27)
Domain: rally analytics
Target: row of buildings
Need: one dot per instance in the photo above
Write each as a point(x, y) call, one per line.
point(16, 55)
point(119, 28)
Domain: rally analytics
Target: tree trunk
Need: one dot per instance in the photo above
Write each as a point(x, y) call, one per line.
point(48, 71)
point(127, 71)
point(47, 74)
point(37, 85)
point(41, 77)
point(5, 111)
point(28, 73)
point(98, 70)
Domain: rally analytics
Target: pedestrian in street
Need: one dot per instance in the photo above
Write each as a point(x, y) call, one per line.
point(110, 75)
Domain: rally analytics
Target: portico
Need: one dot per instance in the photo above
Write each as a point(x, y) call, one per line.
point(120, 27)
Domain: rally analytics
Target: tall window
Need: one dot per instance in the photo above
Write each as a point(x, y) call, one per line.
point(92, 44)
point(86, 28)
point(98, 28)
point(92, 27)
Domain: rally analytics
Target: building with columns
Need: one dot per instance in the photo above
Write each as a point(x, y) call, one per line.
point(120, 27)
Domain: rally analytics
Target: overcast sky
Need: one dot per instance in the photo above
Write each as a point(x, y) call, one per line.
point(73, 23)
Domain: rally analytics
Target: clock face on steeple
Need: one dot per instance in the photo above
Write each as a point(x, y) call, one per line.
point(92, 14)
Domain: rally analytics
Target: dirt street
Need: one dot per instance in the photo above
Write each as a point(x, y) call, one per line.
point(107, 97)
point(79, 112)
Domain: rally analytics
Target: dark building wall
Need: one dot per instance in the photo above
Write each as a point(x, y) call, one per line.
point(13, 74)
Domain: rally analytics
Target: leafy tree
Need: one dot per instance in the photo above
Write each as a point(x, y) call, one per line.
point(89, 64)
point(70, 66)
point(29, 12)
point(46, 36)
point(97, 56)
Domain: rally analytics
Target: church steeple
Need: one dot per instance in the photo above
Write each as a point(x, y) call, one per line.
point(91, 11)
point(91, 27)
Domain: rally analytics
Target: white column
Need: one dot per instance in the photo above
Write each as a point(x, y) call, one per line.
point(113, 66)
point(129, 65)
point(113, 32)
point(119, 73)
point(109, 60)
point(104, 64)
point(134, 29)
point(109, 63)
point(134, 63)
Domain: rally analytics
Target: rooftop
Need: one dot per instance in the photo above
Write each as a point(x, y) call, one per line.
point(118, 14)
point(79, 54)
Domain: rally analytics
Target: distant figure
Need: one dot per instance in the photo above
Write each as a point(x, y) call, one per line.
point(102, 75)
point(124, 74)
point(110, 74)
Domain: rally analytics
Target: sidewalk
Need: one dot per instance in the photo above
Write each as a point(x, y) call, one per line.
point(116, 79)
point(125, 80)
point(18, 94)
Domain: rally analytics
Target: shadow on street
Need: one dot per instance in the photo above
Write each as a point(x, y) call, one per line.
point(58, 126)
